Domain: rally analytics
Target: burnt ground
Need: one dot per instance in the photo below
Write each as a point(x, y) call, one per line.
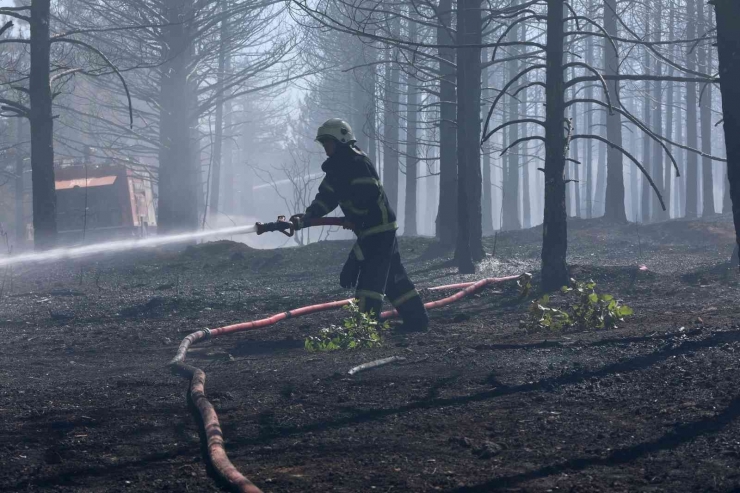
point(481, 403)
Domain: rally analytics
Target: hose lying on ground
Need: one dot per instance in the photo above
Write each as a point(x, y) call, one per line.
point(214, 436)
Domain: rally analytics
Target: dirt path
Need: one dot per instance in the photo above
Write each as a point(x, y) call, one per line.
point(480, 404)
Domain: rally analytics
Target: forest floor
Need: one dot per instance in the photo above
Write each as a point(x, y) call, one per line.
point(481, 403)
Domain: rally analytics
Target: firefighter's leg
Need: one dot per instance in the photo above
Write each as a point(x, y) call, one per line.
point(377, 251)
point(404, 297)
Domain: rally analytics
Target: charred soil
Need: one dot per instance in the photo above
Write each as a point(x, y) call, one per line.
point(481, 403)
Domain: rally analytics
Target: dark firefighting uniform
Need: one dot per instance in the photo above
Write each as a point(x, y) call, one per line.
point(352, 183)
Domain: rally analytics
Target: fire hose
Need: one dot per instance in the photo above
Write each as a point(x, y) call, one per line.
point(211, 426)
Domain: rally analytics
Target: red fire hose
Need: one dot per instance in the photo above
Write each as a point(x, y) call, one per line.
point(214, 435)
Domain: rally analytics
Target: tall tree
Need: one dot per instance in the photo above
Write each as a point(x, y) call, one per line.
point(705, 66)
point(412, 158)
point(555, 231)
point(657, 213)
point(589, 185)
point(692, 163)
point(488, 199)
point(614, 200)
point(469, 38)
point(668, 172)
point(727, 14)
point(447, 214)
point(218, 141)
point(511, 173)
point(647, 115)
point(42, 129)
point(20, 186)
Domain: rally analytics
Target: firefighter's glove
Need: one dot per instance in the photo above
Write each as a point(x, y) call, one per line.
point(350, 272)
point(297, 220)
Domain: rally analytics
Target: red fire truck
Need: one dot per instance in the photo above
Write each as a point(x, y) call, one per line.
point(98, 202)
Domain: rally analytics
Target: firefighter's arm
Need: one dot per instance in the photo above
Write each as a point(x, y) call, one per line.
point(325, 202)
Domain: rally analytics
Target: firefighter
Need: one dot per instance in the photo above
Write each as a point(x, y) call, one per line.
point(374, 265)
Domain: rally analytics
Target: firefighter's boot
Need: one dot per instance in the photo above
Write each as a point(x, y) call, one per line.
point(414, 316)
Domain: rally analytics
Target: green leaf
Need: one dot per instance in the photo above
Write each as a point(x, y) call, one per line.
point(593, 297)
point(625, 311)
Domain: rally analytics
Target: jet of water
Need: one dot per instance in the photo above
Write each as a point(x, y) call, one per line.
point(120, 246)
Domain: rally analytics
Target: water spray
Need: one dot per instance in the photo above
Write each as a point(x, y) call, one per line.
point(281, 225)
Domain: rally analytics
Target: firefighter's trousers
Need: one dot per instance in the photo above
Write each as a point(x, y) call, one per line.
point(381, 273)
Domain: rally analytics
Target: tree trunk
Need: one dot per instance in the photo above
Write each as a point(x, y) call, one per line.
point(390, 120)
point(614, 200)
point(412, 160)
point(20, 217)
point(705, 66)
point(575, 167)
point(589, 185)
point(487, 216)
point(447, 214)
point(523, 110)
point(511, 174)
point(658, 214)
point(555, 229)
point(692, 176)
point(634, 177)
point(726, 198)
point(668, 168)
point(681, 156)
point(42, 131)
point(219, 123)
point(228, 153)
point(469, 31)
point(728, 47)
point(179, 171)
point(646, 140)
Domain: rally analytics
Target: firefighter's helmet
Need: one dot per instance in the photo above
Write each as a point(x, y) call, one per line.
point(336, 129)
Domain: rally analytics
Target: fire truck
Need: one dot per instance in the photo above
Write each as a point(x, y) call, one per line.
point(99, 202)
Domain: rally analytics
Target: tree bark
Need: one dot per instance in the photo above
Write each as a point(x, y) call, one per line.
point(390, 121)
point(20, 217)
point(705, 66)
point(469, 32)
point(555, 230)
point(646, 140)
point(692, 175)
point(575, 167)
point(525, 188)
point(728, 48)
point(634, 178)
point(228, 152)
point(658, 214)
point(412, 160)
point(42, 130)
point(447, 214)
point(179, 171)
point(600, 192)
point(668, 169)
point(589, 185)
point(681, 155)
point(487, 216)
point(511, 173)
point(215, 191)
point(614, 200)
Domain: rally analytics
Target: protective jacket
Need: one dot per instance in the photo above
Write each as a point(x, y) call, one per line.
point(352, 183)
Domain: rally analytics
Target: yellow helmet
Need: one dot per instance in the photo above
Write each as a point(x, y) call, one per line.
point(336, 129)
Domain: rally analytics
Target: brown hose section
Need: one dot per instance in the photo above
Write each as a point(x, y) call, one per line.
point(214, 436)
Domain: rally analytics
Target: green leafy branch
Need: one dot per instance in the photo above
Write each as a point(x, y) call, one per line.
point(583, 309)
point(359, 330)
